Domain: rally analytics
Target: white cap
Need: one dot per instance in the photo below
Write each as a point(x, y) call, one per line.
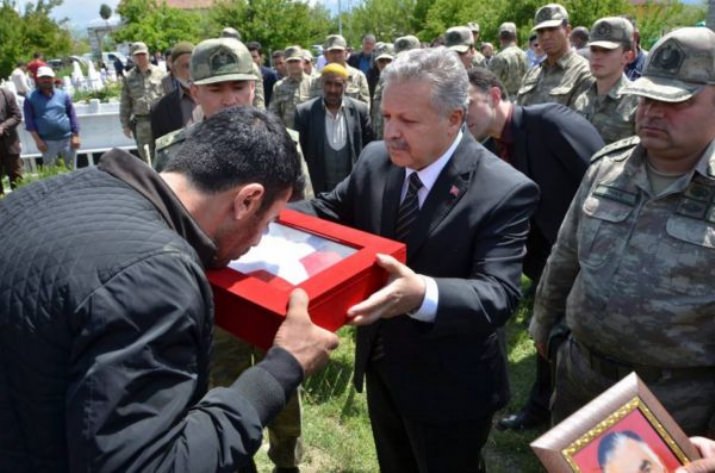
point(45, 71)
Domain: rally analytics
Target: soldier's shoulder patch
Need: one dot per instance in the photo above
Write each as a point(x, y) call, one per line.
point(170, 138)
point(615, 148)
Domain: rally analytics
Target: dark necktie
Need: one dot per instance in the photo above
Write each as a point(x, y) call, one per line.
point(409, 208)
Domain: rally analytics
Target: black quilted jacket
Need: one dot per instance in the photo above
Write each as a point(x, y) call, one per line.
point(105, 333)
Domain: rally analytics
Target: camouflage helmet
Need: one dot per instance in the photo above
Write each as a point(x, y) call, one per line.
point(221, 60)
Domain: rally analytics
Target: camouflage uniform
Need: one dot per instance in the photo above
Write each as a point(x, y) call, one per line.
point(612, 114)
point(479, 60)
point(289, 91)
point(385, 51)
point(139, 92)
point(558, 83)
point(633, 273)
point(510, 65)
point(259, 100)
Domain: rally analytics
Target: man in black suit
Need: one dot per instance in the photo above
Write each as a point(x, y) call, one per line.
point(552, 145)
point(427, 342)
point(175, 110)
point(333, 130)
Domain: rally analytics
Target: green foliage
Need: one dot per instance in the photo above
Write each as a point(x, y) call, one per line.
point(156, 24)
point(386, 19)
point(276, 24)
point(654, 19)
point(105, 11)
point(22, 34)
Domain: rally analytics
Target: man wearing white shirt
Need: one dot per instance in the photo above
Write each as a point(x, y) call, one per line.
point(19, 78)
point(427, 342)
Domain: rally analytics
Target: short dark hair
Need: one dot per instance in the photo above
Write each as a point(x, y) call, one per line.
point(237, 146)
point(608, 443)
point(484, 79)
point(254, 46)
point(533, 37)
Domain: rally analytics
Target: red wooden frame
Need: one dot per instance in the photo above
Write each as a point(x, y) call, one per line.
point(253, 309)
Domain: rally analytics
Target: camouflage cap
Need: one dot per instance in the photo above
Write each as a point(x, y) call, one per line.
point(679, 65)
point(459, 38)
point(229, 32)
point(507, 27)
point(138, 48)
point(611, 32)
point(293, 53)
point(384, 51)
point(550, 16)
point(335, 41)
point(473, 26)
point(221, 60)
point(307, 55)
point(406, 43)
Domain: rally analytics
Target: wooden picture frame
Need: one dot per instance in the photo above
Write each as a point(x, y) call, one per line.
point(626, 416)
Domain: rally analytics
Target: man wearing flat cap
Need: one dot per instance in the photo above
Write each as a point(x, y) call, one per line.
point(142, 87)
point(564, 73)
point(610, 50)
point(335, 51)
point(510, 63)
point(631, 274)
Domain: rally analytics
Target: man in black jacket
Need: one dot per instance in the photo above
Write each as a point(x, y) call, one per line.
point(552, 145)
point(175, 110)
point(106, 315)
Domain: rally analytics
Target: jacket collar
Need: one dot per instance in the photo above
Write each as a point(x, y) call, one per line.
point(147, 182)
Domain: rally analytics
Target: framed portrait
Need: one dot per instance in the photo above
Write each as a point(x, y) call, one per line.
point(334, 264)
point(624, 429)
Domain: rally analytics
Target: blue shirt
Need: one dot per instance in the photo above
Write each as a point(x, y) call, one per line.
point(52, 117)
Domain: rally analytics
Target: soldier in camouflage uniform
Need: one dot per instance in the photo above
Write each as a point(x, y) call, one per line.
point(142, 87)
point(510, 63)
point(478, 60)
point(403, 43)
point(633, 268)
point(384, 54)
point(460, 40)
point(335, 50)
point(291, 90)
point(611, 48)
point(564, 73)
point(259, 95)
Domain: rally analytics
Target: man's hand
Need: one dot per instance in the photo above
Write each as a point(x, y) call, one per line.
point(74, 142)
point(705, 464)
point(309, 344)
point(41, 145)
point(405, 291)
point(127, 132)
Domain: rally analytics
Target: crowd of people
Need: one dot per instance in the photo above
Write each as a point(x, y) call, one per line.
point(583, 162)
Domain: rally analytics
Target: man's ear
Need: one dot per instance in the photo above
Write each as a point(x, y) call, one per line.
point(247, 201)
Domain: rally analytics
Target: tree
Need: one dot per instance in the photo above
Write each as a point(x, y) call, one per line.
point(157, 25)
point(386, 19)
point(105, 11)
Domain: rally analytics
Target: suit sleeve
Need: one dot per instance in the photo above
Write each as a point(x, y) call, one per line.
point(140, 368)
point(576, 142)
point(368, 133)
point(486, 299)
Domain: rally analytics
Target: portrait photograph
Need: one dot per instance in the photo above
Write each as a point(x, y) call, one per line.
point(624, 430)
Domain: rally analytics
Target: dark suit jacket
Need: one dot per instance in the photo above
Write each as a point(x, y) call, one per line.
point(469, 236)
point(10, 118)
point(165, 115)
point(310, 123)
point(553, 146)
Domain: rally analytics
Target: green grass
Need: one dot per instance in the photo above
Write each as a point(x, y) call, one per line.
point(336, 428)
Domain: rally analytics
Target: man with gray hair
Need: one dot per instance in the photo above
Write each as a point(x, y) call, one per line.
point(631, 273)
point(427, 342)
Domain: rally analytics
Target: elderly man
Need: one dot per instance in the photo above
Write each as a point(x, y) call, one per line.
point(611, 49)
point(333, 130)
point(107, 315)
point(564, 73)
point(335, 51)
point(427, 342)
point(631, 274)
point(142, 87)
point(176, 109)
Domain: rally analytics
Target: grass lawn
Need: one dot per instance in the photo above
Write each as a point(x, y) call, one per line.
point(336, 427)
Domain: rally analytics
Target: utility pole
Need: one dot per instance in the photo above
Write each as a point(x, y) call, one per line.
point(340, 18)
